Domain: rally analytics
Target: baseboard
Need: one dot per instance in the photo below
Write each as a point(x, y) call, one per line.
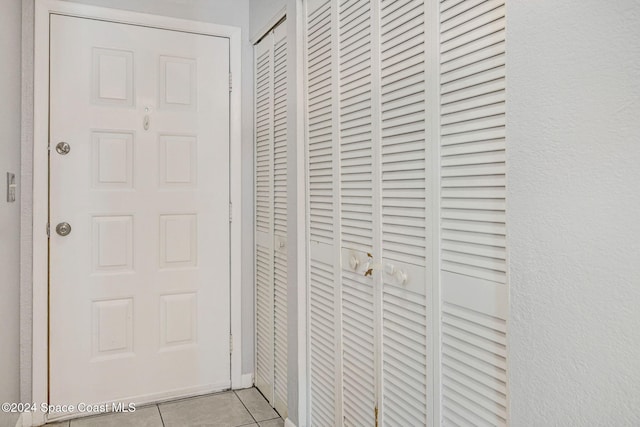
point(24, 420)
point(246, 381)
point(289, 423)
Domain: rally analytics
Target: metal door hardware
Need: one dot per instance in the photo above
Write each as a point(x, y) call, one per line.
point(63, 229)
point(63, 148)
point(11, 187)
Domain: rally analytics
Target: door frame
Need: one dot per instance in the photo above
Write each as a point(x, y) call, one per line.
point(40, 241)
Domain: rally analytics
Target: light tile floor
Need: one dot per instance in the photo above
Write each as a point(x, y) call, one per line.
point(246, 408)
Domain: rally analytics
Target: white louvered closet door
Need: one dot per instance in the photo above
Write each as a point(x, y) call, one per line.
point(323, 217)
point(398, 123)
point(370, 56)
point(280, 217)
point(264, 237)
point(271, 217)
point(406, 220)
point(473, 277)
point(356, 135)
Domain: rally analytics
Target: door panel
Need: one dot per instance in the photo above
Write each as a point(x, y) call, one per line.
point(264, 188)
point(474, 295)
point(280, 341)
point(323, 218)
point(357, 292)
point(404, 225)
point(271, 217)
point(139, 290)
point(402, 160)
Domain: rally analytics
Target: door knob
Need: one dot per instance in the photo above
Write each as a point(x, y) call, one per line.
point(63, 148)
point(63, 229)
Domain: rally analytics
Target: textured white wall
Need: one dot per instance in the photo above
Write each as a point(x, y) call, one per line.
point(10, 12)
point(573, 210)
point(262, 12)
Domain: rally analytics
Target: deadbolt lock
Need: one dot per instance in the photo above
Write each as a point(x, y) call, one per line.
point(63, 229)
point(63, 148)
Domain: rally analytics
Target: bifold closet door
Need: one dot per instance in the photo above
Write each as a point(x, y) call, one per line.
point(264, 237)
point(473, 278)
point(405, 113)
point(280, 218)
point(406, 214)
point(367, 163)
point(356, 189)
point(323, 217)
point(271, 217)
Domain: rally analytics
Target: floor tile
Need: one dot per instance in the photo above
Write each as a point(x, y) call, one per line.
point(278, 422)
point(147, 416)
point(59, 424)
point(219, 410)
point(256, 404)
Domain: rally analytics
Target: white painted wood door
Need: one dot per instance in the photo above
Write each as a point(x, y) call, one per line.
point(368, 163)
point(271, 216)
point(323, 218)
point(474, 286)
point(405, 151)
point(264, 216)
point(139, 290)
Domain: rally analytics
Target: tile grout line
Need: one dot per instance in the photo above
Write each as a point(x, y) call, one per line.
point(278, 416)
point(245, 407)
point(160, 412)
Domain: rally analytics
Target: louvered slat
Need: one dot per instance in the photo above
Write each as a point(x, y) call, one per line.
point(473, 140)
point(322, 344)
point(264, 321)
point(320, 125)
point(359, 381)
point(403, 131)
point(474, 365)
point(280, 333)
point(404, 358)
point(264, 140)
point(355, 125)
point(280, 138)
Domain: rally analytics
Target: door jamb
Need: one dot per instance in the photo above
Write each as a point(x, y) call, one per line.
point(40, 272)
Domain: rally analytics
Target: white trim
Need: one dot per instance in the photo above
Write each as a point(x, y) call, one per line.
point(304, 332)
point(246, 381)
point(337, 214)
point(43, 8)
point(235, 188)
point(168, 396)
point(301, 217)
point(24, 419)
point(275, 20)
point(376, 86)
point(432, 86)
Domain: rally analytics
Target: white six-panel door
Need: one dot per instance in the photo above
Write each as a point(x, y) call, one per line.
point(271, 216)
point(139, 289)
